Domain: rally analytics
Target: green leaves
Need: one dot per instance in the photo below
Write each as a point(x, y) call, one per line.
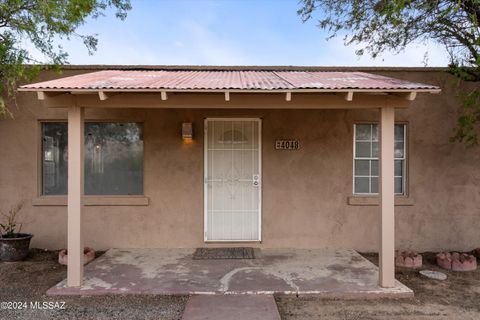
point(391, 25)
point(42, 23)
point(466, 130)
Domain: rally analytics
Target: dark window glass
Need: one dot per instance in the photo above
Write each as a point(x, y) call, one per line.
point(113, 158)
point(54, 158)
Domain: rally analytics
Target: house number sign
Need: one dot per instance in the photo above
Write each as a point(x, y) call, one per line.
point(287, 144)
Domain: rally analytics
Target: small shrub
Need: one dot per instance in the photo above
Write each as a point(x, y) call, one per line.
point(11, 227)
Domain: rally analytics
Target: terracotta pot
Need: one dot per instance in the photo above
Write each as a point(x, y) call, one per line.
point(15, 249)
point(88, 255)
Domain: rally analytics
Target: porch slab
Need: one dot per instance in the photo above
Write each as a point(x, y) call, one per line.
point(231, 307)
point(329, 273)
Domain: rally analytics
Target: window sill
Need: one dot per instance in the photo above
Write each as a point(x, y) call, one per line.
point(94, 201)
point(375, 201)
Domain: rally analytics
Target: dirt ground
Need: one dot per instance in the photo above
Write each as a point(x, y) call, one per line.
point(458, 297)
point(29, 280)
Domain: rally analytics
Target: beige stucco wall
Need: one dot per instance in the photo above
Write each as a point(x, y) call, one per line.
point(305, 192)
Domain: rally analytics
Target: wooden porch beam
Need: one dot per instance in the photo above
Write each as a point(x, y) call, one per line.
point(163, 95)
point(248, 101)
point(42, 95)
point(76, 119)
point(288, 96)
point(56, 100)
point(410, 96)
point(387, 198)
point(216, 101)
point(348, 96)
point(103, 95)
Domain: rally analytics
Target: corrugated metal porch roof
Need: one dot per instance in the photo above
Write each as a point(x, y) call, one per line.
point(248, 80)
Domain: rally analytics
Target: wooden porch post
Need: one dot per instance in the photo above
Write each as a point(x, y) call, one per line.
point(75, 195)
point(387, 198)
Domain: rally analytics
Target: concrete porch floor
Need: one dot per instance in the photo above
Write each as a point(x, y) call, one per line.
point(329, 273)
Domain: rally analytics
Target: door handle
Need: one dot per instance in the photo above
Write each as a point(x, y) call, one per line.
point(256, 180)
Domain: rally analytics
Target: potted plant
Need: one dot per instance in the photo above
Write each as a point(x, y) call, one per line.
point(14, 246)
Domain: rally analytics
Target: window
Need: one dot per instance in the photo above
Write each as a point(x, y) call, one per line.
point(113, 158)
point(365, 159)
point(54, 158)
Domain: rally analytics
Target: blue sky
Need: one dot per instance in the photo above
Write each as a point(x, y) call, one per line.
point(226, 32)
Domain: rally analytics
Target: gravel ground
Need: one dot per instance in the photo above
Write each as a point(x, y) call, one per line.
point(456, 298)
point(27, 281)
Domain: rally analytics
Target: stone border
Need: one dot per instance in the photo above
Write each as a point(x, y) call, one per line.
point(88, 256)
point(456, 261)
point(408, 259)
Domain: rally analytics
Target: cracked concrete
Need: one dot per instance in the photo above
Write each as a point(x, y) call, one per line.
point(332, 273)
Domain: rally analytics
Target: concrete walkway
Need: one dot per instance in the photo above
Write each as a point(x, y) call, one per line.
point(231, 307)
point(330, 273)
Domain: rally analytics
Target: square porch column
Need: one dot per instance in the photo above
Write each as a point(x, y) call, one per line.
point(75, 195)
point(387, 198)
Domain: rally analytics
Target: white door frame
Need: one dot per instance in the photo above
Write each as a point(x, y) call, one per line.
point(205, 171)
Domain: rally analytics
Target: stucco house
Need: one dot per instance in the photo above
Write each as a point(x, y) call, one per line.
point(269, 157)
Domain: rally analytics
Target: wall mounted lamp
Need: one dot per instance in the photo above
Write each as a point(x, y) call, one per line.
point(187, 132)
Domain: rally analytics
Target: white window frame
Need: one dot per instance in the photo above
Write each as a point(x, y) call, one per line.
point(404, 159)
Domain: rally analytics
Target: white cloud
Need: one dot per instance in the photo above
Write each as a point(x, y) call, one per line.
point(207, 36)
point(336, 53)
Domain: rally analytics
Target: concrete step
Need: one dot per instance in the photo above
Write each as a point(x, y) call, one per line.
point(231, 307)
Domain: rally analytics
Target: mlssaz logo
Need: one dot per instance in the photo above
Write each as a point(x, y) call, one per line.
point(47, 305)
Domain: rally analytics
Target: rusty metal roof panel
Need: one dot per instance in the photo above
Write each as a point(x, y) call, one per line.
point(347, 80)
point(225, 80)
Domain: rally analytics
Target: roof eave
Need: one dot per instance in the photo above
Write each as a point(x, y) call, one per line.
point(433, 90)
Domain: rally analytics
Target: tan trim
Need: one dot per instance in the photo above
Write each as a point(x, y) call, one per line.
point(39, 166)
point(408, 153)
point(163, 95)
point(63, 99)
point(348, 96)
point(43, 95)
point(375, 201)
point(119, 90)
point(92, 201)
point(217, 101)
point(410, 96)
point(102, 95)
point(288, 96)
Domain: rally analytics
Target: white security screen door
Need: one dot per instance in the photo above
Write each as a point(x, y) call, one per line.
point(232, 179)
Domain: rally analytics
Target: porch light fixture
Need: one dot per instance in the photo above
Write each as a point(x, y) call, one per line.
point(187, 132)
